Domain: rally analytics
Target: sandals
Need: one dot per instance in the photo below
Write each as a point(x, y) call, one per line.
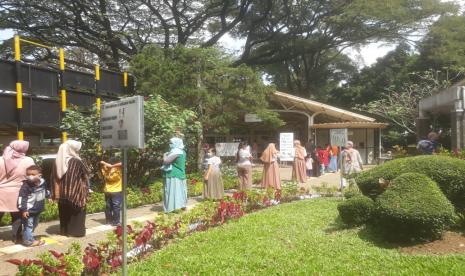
point(37, 243)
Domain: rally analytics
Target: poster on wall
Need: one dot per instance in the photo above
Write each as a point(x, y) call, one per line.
point(286, 146)
point(338, 137)
point(226, 149)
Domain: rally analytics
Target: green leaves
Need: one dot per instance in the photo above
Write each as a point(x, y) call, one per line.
point(202, 80)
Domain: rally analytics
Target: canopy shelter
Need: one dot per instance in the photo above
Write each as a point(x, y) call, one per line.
point(450, 102)
point(364, 131)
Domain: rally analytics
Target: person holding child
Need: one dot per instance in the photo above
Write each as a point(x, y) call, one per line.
point(174, 174)
point(31, 202)
point(113, 190)
point(213, 187)
point(13, 165)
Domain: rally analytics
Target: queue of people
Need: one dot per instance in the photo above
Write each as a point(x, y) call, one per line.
point(23, 190)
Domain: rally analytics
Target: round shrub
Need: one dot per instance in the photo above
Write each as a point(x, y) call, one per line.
point(447, 172)
point(357, 210)
point(413, 208)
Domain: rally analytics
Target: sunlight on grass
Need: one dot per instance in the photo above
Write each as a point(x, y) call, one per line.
point(302, 238)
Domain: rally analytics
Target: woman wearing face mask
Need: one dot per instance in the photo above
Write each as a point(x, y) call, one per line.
point(70, 178)
point(174, 174)
point(13, 165)
point(213, 187)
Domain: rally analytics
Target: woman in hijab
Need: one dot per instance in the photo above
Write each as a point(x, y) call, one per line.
point(174, 167)
point(70, 178)
point(271, 177)
point(13, 165)
point(244, 167)
point(299, 171)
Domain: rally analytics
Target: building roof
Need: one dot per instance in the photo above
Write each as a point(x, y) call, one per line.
point(350, 125)
point(291, 102)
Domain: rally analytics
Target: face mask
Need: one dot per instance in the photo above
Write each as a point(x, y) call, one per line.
point(32, 178)
point(209, 154)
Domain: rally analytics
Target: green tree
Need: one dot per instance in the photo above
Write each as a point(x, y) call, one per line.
point(304, 37)
point(390, 72)
point(202, 80)
point(399, 106)
point(444, 45)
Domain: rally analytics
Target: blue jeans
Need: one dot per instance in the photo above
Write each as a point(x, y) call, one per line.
point(113, 203)
point(29, 224)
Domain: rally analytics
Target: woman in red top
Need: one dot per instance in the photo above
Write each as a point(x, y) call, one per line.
point(323, 156)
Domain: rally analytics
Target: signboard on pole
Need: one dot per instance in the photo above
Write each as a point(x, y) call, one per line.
point(252, 118)
point(338, 137)
point(122, 123)
point(122, 126)
point(226, 149)
point(286, 146)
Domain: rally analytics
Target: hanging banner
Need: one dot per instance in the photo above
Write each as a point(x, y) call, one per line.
point(286, 146)
point(226, 149)
point(338, 137)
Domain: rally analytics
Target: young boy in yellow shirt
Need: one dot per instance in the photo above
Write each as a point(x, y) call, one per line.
point(113, 190)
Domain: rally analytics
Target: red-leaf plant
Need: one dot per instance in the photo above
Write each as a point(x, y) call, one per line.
point(59, 270)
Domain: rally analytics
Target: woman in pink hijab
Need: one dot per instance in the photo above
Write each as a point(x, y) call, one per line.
point(13, 165)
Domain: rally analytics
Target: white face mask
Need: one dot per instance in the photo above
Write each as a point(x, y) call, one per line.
point(34, 179)
point(209, 154)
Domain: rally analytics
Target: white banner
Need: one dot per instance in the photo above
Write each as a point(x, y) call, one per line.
point(122, 123)
point(286, 146)
point(338, 137)
point(226, 149)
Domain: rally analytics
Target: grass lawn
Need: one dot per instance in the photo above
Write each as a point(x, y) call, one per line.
point(299, 238)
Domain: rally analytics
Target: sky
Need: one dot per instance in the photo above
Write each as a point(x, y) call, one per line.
point(365, 55)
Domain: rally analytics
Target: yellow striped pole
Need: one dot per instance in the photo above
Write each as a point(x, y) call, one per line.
point(19, 88)
point(63, 101)
point(98, 100)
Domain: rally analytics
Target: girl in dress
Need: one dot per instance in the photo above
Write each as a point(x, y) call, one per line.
point(213, 187)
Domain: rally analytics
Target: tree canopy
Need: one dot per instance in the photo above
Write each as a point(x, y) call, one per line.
point(300, 35)
point(202, 80)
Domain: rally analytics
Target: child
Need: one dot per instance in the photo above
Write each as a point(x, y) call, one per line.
point(31, 203)
point(309, 165)
point(213, 187)
point(113, 190)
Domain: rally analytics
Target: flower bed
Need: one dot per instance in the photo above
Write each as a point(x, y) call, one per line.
point(105, 257)
point(136, 196)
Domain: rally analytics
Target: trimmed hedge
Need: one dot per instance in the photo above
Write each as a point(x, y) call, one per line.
point(357, 210)
point(448, 173)
point(413, 208)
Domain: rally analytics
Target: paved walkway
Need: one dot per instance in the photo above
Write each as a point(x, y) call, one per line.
point(49, 231)
point(96, 229)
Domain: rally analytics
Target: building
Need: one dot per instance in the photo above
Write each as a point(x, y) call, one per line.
point(449, 103)
point(311, 122)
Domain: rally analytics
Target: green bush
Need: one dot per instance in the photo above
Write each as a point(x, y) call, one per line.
point(413, 208)
point(357, 210)
point(447, 172)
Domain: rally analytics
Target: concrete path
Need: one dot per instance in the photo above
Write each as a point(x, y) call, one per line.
point(49, 231)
